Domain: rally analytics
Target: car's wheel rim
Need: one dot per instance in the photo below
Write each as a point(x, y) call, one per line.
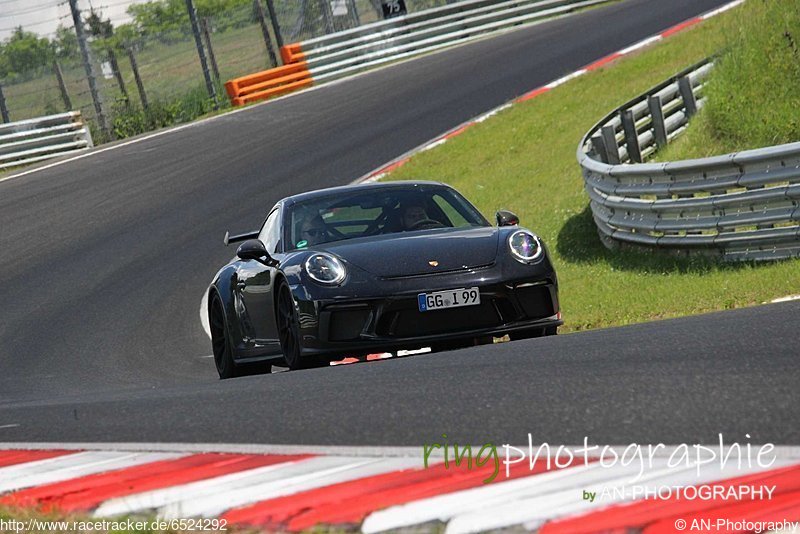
point(286, 329)
point(218, 341)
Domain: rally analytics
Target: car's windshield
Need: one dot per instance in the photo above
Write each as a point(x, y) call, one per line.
point(375, 212)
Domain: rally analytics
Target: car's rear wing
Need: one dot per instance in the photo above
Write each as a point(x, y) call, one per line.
point(240, 237)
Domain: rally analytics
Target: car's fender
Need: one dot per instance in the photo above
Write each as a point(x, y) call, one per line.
point(224, 284)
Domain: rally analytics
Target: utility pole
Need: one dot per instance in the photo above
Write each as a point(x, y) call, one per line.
point(262, 19)
point(275, 26)
point(87, 64)
point(198, 41)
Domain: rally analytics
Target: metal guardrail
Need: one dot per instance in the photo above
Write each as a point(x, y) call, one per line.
point(346, 52)
point(740, 206)
point(42, 138)
point(343, 53)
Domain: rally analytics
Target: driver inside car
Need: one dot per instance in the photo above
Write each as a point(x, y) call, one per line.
point(312, 232)
point(413, 214)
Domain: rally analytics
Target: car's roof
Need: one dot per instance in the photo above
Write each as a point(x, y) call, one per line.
point(374, 186)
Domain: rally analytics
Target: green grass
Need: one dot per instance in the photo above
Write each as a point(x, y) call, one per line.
point(524, 160)
point(753, 96)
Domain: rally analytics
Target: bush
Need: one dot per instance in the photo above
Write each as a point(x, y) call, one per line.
point(130, 119)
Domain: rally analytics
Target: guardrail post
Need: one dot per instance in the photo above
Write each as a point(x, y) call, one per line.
point(631, 136)
point(689, 102)
point(3, 108)
point(657, 114)
point(599, 147)
point(87, 132)
point(609, 136)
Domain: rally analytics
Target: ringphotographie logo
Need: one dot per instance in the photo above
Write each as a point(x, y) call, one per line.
point(638, 457)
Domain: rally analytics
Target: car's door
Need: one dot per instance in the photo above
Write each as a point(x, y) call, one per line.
point(255, 286)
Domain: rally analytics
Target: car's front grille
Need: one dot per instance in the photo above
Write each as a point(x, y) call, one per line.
point(437, 273)
point(412, 322)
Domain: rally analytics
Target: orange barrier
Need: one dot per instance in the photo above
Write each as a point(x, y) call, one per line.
point(291, 76)
point(292, 53)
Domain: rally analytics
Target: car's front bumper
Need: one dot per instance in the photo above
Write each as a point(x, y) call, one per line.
point(362, 324)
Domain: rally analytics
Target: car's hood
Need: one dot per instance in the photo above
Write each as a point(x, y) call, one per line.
point(414, 253)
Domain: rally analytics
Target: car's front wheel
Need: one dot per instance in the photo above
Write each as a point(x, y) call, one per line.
point(289, 333)
point(221, 340)
point(222, 345)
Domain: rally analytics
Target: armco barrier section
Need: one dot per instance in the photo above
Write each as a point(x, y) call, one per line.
point(740, 206)
point(43, 138)
point(346, 52)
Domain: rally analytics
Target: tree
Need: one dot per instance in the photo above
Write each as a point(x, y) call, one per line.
point(99, 27)
point(23, 53)
point(167, 18)
point(160, 17)
point(65, 43)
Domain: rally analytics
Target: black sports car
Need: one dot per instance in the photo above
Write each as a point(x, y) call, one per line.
point(360, 269)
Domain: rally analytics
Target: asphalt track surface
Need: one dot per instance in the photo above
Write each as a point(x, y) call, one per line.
point(103, 262)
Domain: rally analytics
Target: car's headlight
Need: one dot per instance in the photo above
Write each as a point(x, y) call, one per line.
point(325, 269)
point(525, 246)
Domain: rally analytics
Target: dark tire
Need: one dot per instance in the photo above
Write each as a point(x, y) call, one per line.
point(221, 340)
point(289, 333)
point(533, 332)
point(258, 368)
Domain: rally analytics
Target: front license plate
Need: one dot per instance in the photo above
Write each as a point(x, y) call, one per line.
point(452, 298)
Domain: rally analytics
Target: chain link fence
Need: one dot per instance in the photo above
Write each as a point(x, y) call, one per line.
point(147, 70)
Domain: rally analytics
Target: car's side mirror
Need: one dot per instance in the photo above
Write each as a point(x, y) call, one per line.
point(253, 249)
point(506, 218)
